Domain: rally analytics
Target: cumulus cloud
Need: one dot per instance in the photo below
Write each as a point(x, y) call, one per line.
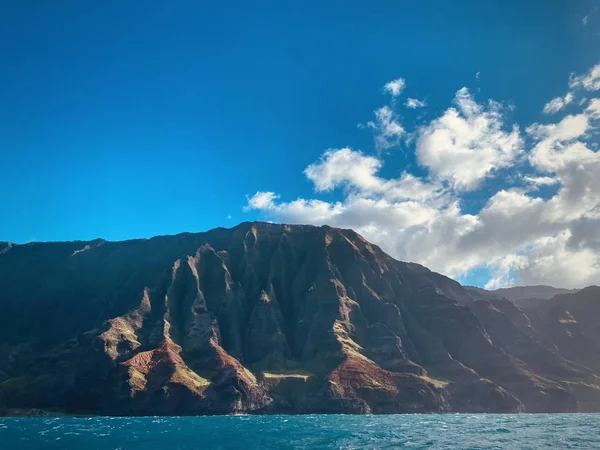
point(570, 127)
point(467, 143)
point(557, 103)
point(414, 103)
point(518, 235)
point(344, 166)
point(558, 146)
point(550, 261)
point(358, 173)
point(585, 234)
point(395, 87)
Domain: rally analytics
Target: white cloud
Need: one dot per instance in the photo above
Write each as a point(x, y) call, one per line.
point(550, 261)
point(593, 108)
point(357, 173)
point(478, 75)
point(344, 166)
point(387, 130)
point(414, 103)
point(570, 127)
point(541, 181)
point(556, 147)
point(518, 236)
point(467, 143)
point(395, 87)
point(590, 81)
point(261, 200)
point(558, 103)
point(502, 272)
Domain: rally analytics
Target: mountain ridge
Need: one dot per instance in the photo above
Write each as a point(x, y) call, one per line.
point(516, 293)
point(264, 318)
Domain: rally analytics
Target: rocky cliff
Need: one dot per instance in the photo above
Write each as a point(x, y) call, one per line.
point(267, 318)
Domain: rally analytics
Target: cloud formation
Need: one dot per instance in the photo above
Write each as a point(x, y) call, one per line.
point(261, 200)
point(395, 87)
point(557, 103)
point(386, 127)
point(589, 81)
point(467, 143)
point(343, 167)
point(519, 235)
point(414, 103)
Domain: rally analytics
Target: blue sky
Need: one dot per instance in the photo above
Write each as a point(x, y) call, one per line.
point(132, 119)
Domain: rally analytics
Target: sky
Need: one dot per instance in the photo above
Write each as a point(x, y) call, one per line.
point(460, 135)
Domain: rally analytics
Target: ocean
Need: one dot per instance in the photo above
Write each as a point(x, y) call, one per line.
point(450, 431)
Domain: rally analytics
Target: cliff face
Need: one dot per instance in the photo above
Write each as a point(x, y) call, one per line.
point(265, 318)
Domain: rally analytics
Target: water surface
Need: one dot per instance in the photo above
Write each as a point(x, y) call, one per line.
point(450, 431)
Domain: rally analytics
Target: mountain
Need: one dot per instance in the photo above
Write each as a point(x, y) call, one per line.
point(520, 293)
point(269, 318)
point(571, 320)
point(566, 322)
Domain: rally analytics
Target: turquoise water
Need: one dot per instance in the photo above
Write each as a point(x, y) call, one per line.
point(453, 431)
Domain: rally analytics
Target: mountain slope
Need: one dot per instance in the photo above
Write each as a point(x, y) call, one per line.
point(262, 318)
